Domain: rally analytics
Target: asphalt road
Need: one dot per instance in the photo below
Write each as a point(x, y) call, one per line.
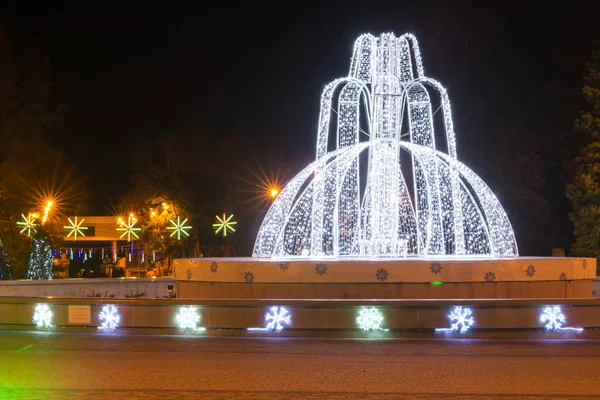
point(95, 366)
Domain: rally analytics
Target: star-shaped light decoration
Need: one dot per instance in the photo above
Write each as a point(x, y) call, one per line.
point(179, 228)
point(28, 224)
point(75, 228)
point(129, 229)
point(224, 225)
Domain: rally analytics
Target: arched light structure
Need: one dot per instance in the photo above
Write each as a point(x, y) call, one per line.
point(384, 184)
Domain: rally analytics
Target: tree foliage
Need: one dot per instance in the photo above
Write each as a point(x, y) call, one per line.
point(584, 189)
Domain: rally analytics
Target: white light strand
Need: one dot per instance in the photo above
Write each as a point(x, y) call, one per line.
point(42, 316)
point(461, 320)
point(109, 318)
point(275, 319)
point(553, 318)
point(415, 199)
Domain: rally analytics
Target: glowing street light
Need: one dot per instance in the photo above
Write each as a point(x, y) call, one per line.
point(47, 209)
point(274, 192)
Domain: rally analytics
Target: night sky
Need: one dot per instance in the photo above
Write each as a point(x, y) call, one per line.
point(129, 74)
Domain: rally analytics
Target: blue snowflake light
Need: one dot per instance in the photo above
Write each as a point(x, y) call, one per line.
point(188, 318)
point(275, 319)
point(110, 318)
point(461, 320)
point(42, 316)
point(370, 319)
point(553, 317)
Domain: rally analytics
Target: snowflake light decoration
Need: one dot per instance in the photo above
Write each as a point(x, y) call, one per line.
point(129, 229)
point(28, 224)
point(370, 319)
point(75, 228)
point(110, 318)
point(275, 319)
point(188, 318)
point(42, 316)
point(383, 107)
point(179, 228)
point(461, 320)
point(553, 317)
point(224, 225)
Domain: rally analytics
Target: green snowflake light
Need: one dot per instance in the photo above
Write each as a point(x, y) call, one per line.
point(28, 224)
point(179, 228)
point(75, 228)
point(224, 225)
point(129, 229)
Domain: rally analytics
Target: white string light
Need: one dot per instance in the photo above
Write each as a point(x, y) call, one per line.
point(553, 317)
point(461, 320)
point(370, 319)
point(187, 318)
point(42, 316)
point(275, 319)
point(332, 208)
point(109, 317)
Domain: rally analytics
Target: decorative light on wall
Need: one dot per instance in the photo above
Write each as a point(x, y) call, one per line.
point(187, 318)
point(275, 319)
point(461, 320)
point(109, 318)
point(553, 317)
point(444, 208)
point(370, 319)
point(42, 316)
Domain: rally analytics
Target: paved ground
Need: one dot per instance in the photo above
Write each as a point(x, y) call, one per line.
point(92, 366)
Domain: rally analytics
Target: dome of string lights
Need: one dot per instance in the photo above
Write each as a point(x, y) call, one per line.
point(386, 181)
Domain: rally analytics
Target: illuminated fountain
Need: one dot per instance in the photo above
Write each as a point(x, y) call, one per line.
point(386, 210)
point(410, 196)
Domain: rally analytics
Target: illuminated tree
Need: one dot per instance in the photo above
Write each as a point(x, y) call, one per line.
point(41, 260)
point(584, 189)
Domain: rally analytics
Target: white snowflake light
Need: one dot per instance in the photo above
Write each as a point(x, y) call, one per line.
point(42, 316)
point(370, 319)
point(188, 318)
point(553, 317)
point(275, 319)
point(109, 317)
point(461, 320)
point(383, 108)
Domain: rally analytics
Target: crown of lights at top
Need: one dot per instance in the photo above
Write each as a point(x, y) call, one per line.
point(384, 187)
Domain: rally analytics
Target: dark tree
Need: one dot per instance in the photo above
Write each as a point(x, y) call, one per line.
point(584, 189)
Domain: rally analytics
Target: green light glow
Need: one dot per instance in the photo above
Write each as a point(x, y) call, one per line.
point(75, 228)
point(129, 229)
point(28, 224)
point(179, 228)
point(437, 283)
point(224, 225)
